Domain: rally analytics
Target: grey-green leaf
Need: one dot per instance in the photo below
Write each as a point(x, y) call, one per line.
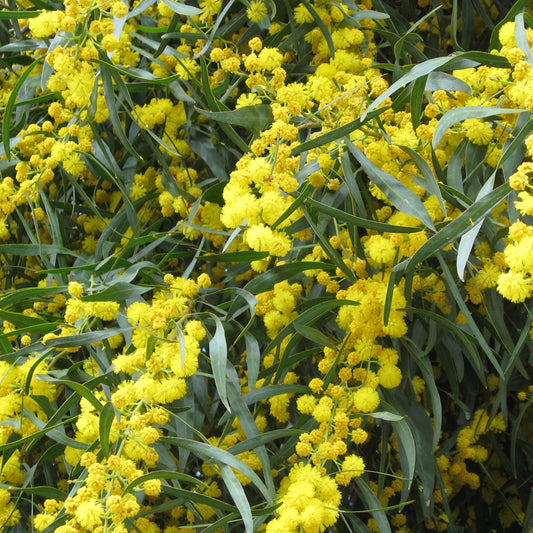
point(403, 198)
point(251, 117)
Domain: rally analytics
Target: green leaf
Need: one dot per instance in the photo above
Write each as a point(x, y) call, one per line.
point(367, 14)
point(118, 292)
point(403, 198)
point(264, 438)
point(83, 339)
point(251, 117)
point(358, 221)
point(240, 410)
point(386, 415)
point(202, 144)
point(456, 228)
point(314, 335)
point(182, 9)
point(336, 133)
point(367, 495)
point(327, 247)
point(216, 106)
point(467, 340)
point(456, 61)
point(165, 474)
point(481, 341)
point(21, 320)
point(101, 170)
point(407, 451)
point(108, 74)
point(453, 116)
point(44, 491)
point(56, 433)
point(430, 183)
point(8, 111)
point(218, 354)
point(235, 257)
point(183, 496)
point(446, 82)
point(468, 240)
point(264, 393)
point(266, 281)
point(143, 5)
point(236, 491)
point(83, 391)
point(302, 194)
point(510, 15)
point(253, 359)
point(209, 452)
point(9, 15)
point(221, 17)
point(107, 415)
point(323, 28)
point(424, 364)
point(417, 97)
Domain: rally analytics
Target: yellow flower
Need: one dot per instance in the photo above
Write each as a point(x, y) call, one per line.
point(525, 205)
point(257, 11)
point(280, 244)
point(119, 9)
point(380, 249)
point(514, 286)
point(390, 376)
point(477, 131)
point(270, 58)
point(507, 35)
point(366, 399)
point(255, 44)
point(46, 24)
point(302, 14)
point(259, 237)
point(247, 99)
point(89, 514)
point(353, 465)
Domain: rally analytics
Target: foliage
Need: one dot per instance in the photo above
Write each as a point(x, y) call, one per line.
point(266, 266)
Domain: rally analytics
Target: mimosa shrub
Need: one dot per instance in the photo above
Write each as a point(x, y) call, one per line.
point(265, 267)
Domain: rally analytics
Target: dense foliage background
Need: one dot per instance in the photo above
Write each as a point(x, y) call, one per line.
point(266, 266)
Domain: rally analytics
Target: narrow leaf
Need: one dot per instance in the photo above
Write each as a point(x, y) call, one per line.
point(218, 354)
point(403, 198)
point(462, 113)
point(239, 497)
point(367, 495)
point(107, 415)
point(253, 116)
point(182, 9)
point(456, 228)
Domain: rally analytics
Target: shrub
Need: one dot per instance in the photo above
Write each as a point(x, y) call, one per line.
point(266, 266)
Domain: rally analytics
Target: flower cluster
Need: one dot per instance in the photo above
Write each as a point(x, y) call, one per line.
point(228, 243)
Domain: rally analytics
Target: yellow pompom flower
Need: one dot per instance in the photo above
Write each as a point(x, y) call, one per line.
point(507, 35)
point(514, 286)
point(380, 249)
point(477, 131)
point(89, 514)
point(75, 289)
point(525, 205)
point(46, 24)
point(246, 100)
point(306, 404)
point(259, 237)
point(389, 376)
point(353, 465)
point(270, 58)
point(366, 399)
point(257, 11)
